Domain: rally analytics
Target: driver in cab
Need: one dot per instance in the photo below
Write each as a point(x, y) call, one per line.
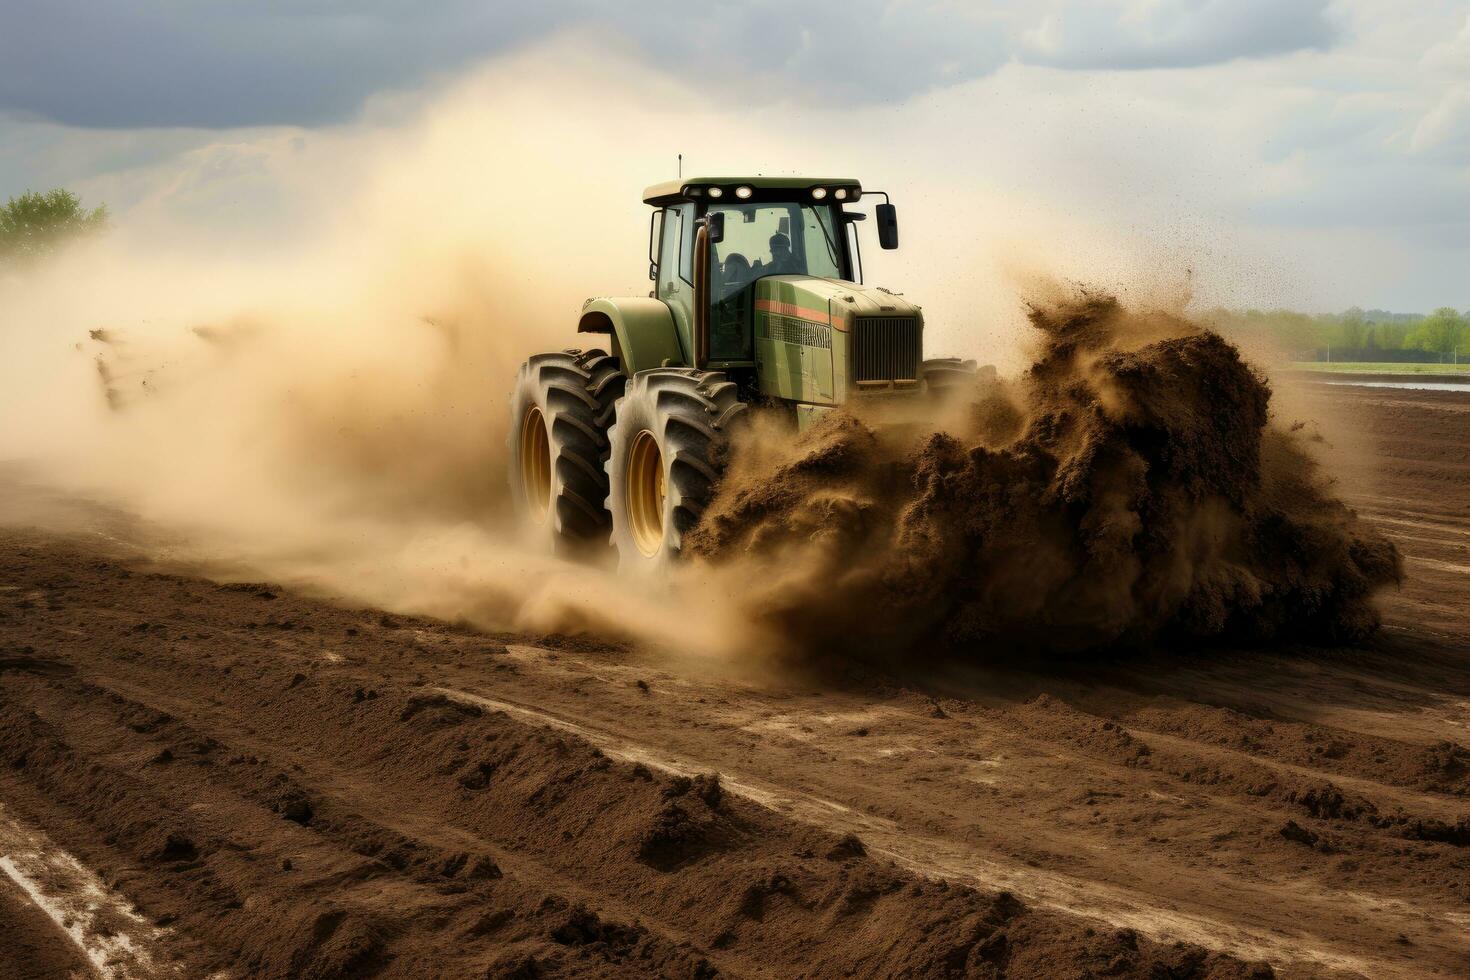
point(782, 262)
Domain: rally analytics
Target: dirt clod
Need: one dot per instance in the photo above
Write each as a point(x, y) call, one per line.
point(1326, 802)
point(674, 835)
point(297, 809)
point(483, 869)
point(1298, 834)
point(177, 847)
point(1440, 831)
point(849, 847)
point(582, 927)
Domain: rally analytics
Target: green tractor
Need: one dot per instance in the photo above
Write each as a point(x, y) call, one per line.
point(757, 301)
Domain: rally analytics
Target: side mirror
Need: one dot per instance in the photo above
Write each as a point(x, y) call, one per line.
point(715, 222)
point(887, 216)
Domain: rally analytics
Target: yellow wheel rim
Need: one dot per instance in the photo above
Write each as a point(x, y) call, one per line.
point(536, 464)
point(645, 493)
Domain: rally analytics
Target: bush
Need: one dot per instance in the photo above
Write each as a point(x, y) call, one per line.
point(34, 224)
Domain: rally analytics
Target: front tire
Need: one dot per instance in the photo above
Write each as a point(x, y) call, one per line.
point(667, 452)
point(560, 408)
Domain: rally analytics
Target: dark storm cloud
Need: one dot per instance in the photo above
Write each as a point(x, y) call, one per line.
point(224, 63)
point(231, 63)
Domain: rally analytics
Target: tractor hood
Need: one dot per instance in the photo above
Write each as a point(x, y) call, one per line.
point(819, 342)
point(832, 302)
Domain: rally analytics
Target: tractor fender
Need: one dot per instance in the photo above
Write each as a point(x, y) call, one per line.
point(642, 329)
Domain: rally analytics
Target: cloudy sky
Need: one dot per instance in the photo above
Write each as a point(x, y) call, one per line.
point(1333, 133)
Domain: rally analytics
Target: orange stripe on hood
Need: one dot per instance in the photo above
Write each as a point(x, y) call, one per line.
point(801, 313)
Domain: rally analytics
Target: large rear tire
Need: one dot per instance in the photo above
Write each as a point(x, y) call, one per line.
point(667, 453)
point(560, 408)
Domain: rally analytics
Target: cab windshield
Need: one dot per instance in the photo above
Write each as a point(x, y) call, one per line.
point(781, 239)
point(765, 239)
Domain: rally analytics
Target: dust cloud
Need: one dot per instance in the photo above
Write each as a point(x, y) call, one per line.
point(324, 403)
point(1129, 489)
point(291, 359)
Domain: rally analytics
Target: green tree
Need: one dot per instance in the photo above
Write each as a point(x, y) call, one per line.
point(34, 223)
point(1302, 331)
point(1391, 336)
point(1352, 330)
point(1441, 332)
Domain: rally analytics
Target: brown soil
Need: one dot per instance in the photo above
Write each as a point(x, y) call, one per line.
point(1348, 377)
point(34, 947)
point(1128, 490)
point(294, 788)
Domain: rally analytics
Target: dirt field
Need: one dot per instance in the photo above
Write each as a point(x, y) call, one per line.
point(200, 777)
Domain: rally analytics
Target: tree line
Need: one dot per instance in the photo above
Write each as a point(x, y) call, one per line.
point(1355, 333)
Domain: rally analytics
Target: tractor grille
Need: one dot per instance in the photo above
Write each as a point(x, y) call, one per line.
point(885, 348)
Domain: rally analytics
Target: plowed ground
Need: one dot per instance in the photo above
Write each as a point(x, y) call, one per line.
point(283, 786)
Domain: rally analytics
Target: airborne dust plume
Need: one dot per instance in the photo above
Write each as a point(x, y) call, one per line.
point(320, 399)
point(1129, 488)
point(322, 402)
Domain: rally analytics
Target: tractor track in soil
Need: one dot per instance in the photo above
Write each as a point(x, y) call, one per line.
point(278, 785)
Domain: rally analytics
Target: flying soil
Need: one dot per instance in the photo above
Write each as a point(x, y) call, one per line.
point(758, 302)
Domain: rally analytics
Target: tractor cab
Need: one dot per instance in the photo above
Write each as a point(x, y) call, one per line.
point(740, 231)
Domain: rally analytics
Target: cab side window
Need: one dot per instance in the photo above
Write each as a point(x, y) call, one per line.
point(655, 229)
point(675, 247)
point(676, 242)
